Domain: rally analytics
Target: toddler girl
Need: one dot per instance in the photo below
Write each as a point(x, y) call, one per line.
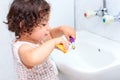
point(35, 40)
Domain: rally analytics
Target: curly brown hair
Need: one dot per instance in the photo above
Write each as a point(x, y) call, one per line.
point(25, 14)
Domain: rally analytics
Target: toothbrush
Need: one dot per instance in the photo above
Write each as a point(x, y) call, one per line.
point(60, 46)
point(72, 42)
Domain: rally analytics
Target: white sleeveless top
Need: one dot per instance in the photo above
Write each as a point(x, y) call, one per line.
point(44, 71)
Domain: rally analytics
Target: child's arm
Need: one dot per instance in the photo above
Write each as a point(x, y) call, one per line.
point(56, 32)
point(33, 56)
point(63, 30)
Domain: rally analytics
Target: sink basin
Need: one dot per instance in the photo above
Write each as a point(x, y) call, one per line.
point(95, 58)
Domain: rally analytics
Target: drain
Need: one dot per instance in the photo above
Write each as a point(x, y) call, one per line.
point(99, 50)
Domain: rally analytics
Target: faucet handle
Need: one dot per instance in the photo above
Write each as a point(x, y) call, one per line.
point(108, 19)
point(89, 13)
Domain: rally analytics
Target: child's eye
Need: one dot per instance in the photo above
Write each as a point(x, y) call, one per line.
point(43, 24)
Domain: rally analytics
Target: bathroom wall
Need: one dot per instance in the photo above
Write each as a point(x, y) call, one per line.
point(6, 59)
point(95, 24)
point(62, 12)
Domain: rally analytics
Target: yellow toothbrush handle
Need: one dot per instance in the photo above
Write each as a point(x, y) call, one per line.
point(60, 47)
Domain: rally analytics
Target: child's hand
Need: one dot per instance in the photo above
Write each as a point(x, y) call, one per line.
point(62, 41)
point(68, 31)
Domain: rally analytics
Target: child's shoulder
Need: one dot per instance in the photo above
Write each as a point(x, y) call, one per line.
point(18, 43)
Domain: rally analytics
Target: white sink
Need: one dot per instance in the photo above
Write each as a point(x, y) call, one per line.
point(95, 58)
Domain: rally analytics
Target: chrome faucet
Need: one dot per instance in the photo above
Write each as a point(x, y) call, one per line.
point(105, 11)
point(102, 11)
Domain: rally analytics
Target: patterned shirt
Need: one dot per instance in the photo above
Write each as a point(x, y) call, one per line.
point(44, 71)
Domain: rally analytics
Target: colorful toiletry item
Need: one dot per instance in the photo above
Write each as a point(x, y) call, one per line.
point(60, 47)
point(72, 42)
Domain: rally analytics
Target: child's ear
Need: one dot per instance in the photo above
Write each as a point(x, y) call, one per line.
point(21, 24)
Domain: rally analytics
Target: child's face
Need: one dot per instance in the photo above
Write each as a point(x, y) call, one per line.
point(40, 34)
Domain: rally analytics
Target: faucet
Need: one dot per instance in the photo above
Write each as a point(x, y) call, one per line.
point(108, 18)
point(101, 12)
point(104, 10)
